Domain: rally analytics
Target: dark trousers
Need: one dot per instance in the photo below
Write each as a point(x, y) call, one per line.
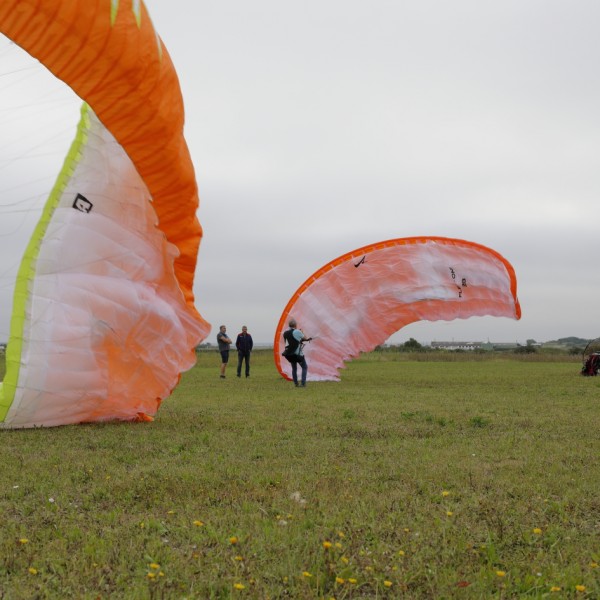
point(241, 357)
point(303, 366)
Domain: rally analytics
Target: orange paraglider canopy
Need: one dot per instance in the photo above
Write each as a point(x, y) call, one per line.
point(356, 301)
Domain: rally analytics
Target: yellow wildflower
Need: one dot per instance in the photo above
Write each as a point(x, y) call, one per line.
point(449, 513)
point(341, 534)
point(401, 552)
point(327, 544)
point(340, 580)
point(388, 583)
point(352, 580)
point(151, 575)
point(198, 523)
point(537, 531)
point(580, 588)
point(23, 541)
point(344, 560)
point(161, 574)
point(306, 574)
point(32, 570)
point(170, 512)
point(593, 565)
point(338, 545)
point(233, 540)
point(238, 558)
point(445, 493)
point(501, 573)
point(555, 588)
point(154, 566)
point(239, 586)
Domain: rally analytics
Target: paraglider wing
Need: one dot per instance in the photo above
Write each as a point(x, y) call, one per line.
point(104, 319)
point(355, 302)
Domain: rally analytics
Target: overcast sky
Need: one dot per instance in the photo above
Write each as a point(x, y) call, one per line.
point(340, 123)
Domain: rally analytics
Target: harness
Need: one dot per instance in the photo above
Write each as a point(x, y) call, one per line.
point(292, 342)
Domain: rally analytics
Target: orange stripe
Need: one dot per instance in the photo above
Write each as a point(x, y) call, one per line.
point(119, 71)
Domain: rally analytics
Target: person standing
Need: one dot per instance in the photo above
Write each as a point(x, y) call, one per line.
point(244, 344)
point(295, 339)
point(224, 344)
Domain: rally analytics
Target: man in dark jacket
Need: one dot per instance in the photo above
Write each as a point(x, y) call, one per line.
point(244, 344)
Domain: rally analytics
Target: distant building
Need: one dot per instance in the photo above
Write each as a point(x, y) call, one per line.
point(457, 345)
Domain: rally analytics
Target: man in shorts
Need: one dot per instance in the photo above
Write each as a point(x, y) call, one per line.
point(224, 343)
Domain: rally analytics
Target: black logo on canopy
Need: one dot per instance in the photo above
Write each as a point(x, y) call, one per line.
point(82, 204)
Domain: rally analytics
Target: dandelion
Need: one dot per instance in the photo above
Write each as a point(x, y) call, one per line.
point(537, 531)
point(344, 560)
point(198, 523)
point(593, 565)
point(306, 574)
point(238, 558)
point(170, 512)
point(501, 573)
point(338, 545)
point(445, 493)
point(233, 540)
point(388, 584)
point(555, 588)
point(239, 586)
point(580, 588)
point(449, 513)
point(23, 541)
point(352, 580)
point(401, 553)
point(406, 530)
point(327, 544)
point(32, 570)
point(340, 580)
point(151, 575)
point(154, 566)
point(341, 534)
point(161, 574)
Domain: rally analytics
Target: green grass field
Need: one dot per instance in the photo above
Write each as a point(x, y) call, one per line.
point(408, 479)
